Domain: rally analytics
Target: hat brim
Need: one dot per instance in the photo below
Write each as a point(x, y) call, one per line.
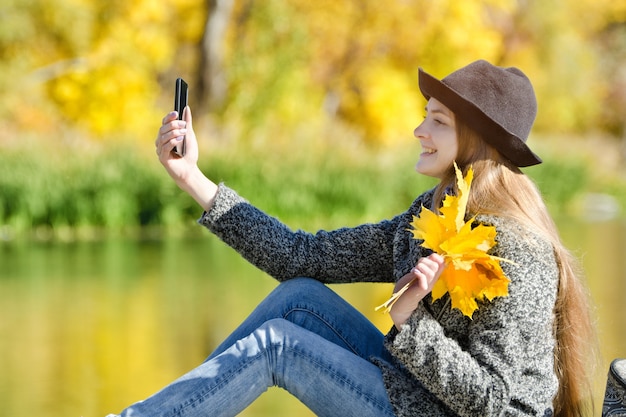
point(508, 144)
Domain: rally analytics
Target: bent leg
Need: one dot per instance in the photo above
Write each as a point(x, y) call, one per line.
point(315, 307)
point(327, 378)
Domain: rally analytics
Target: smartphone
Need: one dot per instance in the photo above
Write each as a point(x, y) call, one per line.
point(180, 102)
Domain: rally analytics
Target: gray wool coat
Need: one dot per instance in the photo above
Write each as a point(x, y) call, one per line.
point(499, 363)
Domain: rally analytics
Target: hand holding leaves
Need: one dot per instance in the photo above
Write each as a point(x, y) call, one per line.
point(471, 273)
point(414, 286)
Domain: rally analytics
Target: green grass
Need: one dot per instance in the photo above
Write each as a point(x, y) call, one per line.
point(114, 191)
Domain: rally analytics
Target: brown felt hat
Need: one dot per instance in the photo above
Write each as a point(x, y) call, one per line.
point(498, 103)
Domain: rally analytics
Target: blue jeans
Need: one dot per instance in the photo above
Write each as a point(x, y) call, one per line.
point(304, 338)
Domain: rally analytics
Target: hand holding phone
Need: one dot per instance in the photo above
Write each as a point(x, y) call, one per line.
point(180, 102)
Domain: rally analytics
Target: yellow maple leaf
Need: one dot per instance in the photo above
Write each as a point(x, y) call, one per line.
point(471, 274)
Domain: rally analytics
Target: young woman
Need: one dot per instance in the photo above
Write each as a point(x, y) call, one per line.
point(518, 355)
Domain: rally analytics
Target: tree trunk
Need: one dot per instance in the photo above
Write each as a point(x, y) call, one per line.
point(212, 80)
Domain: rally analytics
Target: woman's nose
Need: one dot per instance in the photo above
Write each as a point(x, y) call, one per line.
point(418, 132)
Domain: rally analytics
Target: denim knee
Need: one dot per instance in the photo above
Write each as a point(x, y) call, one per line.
point(300, 288)
point(301, 284)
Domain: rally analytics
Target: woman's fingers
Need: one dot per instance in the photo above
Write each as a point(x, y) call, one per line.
point(430, 265)
point(171, 132)
point(173, 115)
point(187, 116)
point(423, 277)
point(167, 124)
point(428, 270)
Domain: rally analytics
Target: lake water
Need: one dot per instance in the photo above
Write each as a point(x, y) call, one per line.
point(87, 328)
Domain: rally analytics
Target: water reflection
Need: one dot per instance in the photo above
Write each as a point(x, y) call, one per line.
point(88, 328)
point(602, 248)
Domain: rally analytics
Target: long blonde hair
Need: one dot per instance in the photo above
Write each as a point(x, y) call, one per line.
point(500, 188)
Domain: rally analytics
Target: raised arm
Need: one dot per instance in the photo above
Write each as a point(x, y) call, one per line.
point(363, 253)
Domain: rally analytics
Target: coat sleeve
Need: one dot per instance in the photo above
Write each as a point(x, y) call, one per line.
point(504, 363)
point(363, 253)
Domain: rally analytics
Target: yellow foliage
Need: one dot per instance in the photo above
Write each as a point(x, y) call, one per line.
point(370, 60)
point(616, 10)
point(86, 63)
point(99, 65)
point(391, 106)
point(471, 274)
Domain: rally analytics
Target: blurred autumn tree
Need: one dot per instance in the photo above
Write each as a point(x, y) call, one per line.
point(93, 65)
point(106, 68)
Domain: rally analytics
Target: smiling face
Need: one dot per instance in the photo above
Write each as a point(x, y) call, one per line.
point(437, 135)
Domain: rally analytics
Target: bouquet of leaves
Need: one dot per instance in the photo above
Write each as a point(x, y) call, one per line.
point(470, 273)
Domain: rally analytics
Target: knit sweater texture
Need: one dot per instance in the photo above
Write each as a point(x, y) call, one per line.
point(497, 363)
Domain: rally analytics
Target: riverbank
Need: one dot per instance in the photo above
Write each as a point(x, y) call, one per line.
point(47, 192)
